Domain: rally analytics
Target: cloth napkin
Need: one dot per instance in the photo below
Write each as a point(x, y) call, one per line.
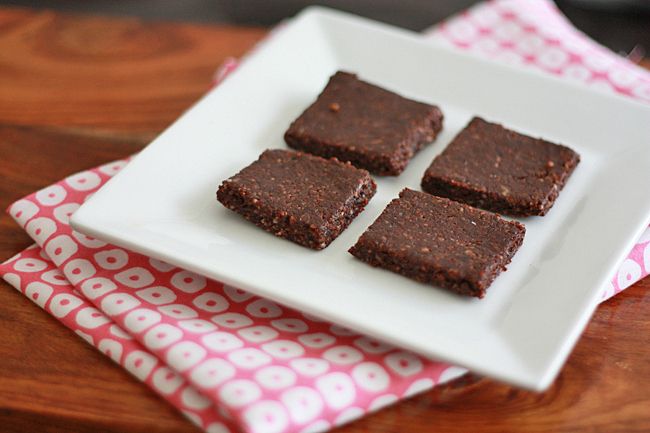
point(232, 361)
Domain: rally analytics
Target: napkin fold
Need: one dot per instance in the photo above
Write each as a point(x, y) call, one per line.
point(264, 367)
point(233, 361)
point(33, 274)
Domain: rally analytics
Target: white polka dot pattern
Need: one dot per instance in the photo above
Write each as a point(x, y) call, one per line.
point(135, 278)
point(240, 392)
point(140, 363)
point(178, 311)
point(212, 373)
point(84, 181)
point(40, 229)
point(157, 295)
point(22, 211)
point(337, 389)
point(198, 326)
point(371, 376)
point(96, 287)
point(221, 342)
point(63, 212)
point(185, 355)
point(112, 259)
point(266, 416)
point(258, 334)
point(51, 196)
point(275, 377)
point(36, 291)
point(310, 367)
point(503, 30)
point(249, 358)
point(303, 403)
point(52, 292)
point(140, 319)
point(90, 318)
point(61, 248)
point(232, 320)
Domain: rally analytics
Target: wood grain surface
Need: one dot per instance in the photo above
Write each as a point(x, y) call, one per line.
point(80, 91)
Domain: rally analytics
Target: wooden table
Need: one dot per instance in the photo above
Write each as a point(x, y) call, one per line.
point(79, 91)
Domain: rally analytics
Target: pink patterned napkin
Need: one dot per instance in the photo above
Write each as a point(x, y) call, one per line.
point(35, 275)
point(535, 34)
point(229, 360)
point(264, 367)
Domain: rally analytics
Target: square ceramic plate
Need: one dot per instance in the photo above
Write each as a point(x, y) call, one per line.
point(163, 204)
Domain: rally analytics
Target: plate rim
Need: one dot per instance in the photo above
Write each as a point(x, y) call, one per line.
point(98, 228)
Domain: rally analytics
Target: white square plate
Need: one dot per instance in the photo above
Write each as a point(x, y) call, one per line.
point(163, 204)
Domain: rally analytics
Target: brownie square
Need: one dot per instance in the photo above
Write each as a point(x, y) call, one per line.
point(440, 242)
point(303, 198)
point(366, 125)
point(494, 168)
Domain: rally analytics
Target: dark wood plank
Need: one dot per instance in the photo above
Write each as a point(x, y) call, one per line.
point(107, 74)
point(616, 24)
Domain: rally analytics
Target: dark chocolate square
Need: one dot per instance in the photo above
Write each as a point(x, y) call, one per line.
point(440, 242)
point(494, 168)
point(370, 127)
point(303, 198)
